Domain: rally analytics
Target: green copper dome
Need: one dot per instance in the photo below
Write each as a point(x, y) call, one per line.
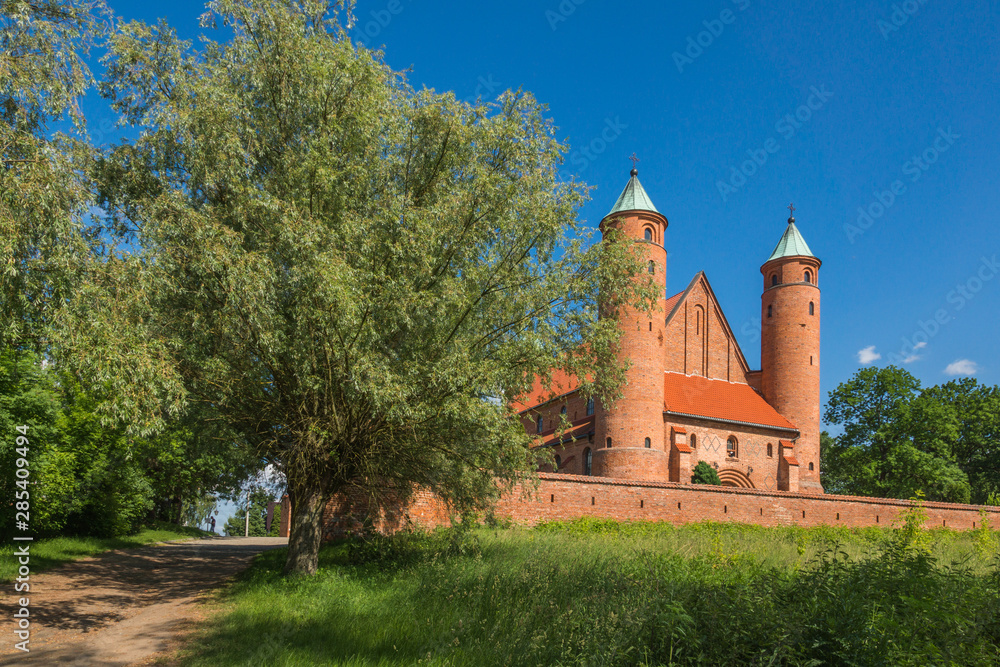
point(791, 244)
point(633, 198)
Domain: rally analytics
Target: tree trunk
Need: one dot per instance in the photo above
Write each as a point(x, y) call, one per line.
point(306, 532)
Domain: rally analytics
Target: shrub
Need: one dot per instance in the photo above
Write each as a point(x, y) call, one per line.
point(705, 474)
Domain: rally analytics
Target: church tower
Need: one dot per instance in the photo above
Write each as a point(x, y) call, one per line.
point(629, 440)
point(789, 352)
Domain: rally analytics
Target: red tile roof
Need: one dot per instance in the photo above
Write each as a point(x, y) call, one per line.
point(562, 383)
point(718, 399)
point(671, 302)
point(578, 430)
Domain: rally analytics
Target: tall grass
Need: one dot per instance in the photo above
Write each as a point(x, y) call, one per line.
point(595, 592)
point(50, 552)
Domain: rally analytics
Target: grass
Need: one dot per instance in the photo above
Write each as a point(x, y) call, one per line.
point(595, 592)
point(50, 552)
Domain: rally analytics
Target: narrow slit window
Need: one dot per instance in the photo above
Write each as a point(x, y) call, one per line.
point(609, 443)
point(649, 443)
point(812, 308)
point(652, 266)
point(588, 459)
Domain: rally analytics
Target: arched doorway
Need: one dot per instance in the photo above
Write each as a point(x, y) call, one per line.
point(735, 478)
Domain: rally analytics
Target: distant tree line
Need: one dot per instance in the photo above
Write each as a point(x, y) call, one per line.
point(87, 478)
point(899, 439)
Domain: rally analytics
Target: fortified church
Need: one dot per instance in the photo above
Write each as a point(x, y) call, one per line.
point(690, 395)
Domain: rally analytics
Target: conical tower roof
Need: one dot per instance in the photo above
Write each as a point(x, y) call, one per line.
point(791, 244)
point(633, 197)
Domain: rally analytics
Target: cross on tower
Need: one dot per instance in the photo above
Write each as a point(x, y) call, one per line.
point(634, 159)
point(791, 207)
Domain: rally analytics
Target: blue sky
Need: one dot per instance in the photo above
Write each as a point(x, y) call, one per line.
point(738, 107)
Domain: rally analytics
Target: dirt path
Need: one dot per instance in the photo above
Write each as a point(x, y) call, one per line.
point(124, 607)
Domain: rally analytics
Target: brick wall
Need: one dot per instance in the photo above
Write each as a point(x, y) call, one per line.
point(564, 497)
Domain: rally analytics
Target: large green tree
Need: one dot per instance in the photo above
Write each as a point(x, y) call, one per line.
point(45, 196)
point(357, 275)
point(899, 439)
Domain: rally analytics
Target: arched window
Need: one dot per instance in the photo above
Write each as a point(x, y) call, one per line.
point(539, 424)
point(694, 441)
point(590, 406)
point(812, 308)
point(810, 465)
point(697, 322)
point(732, 447)
point(774, 280)
point(609, 443)
point(770, 449)
point(558, 462)
point(588, 457)
point(769, 311)
point(809, 276)
point(649, 443)
point(563, 411)
point(652, 266)
point(649, 234)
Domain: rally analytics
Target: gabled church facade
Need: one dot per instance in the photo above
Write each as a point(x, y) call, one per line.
point(690, 395)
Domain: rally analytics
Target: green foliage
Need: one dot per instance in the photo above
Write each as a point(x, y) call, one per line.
point(703, 473)
point(84, 478)
point(346, 268)
point(88, 478)
point(236, 525)
point(44, 194)
point(596, 592)
point(943, 441)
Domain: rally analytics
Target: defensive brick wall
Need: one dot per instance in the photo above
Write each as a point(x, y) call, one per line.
point(565, 497)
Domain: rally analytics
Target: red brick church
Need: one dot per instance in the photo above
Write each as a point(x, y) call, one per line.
point(690, 394)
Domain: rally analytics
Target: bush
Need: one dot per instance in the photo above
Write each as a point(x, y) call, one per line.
point(705, 474)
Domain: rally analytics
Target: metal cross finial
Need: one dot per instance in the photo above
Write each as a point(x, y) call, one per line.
point(791, 207)
point(634, 159)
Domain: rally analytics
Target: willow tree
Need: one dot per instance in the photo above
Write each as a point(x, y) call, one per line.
point(44, 196)
point(357, 274)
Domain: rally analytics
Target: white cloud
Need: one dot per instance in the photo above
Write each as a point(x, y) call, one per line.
point(962, 367)
point(915, 357)
point(868, 355)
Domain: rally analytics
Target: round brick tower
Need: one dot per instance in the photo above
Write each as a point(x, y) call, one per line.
point(789, 347)
point(628, 442)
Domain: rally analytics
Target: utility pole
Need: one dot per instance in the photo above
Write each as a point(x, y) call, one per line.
point(247, 533)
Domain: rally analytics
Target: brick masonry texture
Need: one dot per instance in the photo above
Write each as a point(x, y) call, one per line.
point(789, 354)
point(565, 497)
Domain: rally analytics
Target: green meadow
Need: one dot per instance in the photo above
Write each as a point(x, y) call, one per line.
point(594, 592)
